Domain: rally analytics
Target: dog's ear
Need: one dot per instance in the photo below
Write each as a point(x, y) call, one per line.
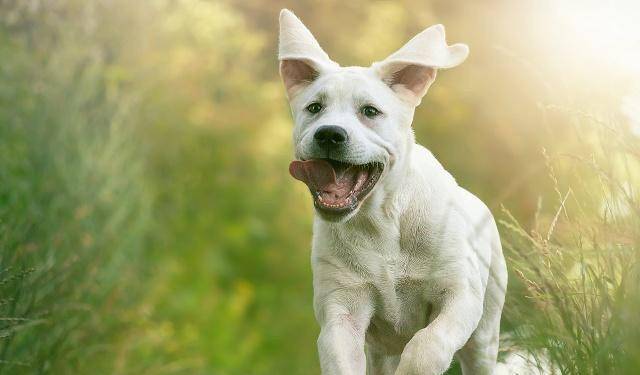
point(412, 69)
point(301, 58)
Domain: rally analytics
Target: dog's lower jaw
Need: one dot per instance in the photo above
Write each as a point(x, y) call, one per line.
point(335, 218)
point(380, 202)
point(368, 209)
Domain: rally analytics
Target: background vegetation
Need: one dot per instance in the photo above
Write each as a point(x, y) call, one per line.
point(148, 223)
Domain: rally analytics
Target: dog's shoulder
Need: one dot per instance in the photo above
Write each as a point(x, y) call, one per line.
point(438, 190)
point(425, 164)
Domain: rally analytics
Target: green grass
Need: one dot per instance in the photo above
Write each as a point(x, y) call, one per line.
point(578, 269)
point(69, 192)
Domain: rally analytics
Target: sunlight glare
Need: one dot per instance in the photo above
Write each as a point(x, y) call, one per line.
point(608, 30)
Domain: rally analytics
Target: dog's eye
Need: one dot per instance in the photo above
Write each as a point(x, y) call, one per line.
point(314, 107)
point(370, 111)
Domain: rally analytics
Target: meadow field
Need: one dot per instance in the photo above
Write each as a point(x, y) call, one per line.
point(148, 223)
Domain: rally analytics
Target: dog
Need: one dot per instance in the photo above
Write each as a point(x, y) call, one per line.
point(407, 266)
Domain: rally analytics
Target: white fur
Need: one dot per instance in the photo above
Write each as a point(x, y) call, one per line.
point(416, 272)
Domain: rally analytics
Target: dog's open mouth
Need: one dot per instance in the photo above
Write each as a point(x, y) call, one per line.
point(337, 187)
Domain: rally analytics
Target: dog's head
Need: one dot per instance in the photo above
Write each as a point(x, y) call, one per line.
point(352, 128)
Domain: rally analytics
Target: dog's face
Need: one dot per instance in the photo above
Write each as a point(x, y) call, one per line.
point(350, 129)
point(353, 124)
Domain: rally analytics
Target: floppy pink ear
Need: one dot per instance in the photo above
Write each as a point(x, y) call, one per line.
point(415, 79)
point(302, 59)
point(412, 69)
point(296, 74)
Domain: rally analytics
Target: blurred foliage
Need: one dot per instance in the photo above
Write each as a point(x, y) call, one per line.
point(147, 220)
point(579, 269)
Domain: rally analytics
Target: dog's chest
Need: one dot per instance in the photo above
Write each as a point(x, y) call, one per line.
point(403, 296)
point(402, 278)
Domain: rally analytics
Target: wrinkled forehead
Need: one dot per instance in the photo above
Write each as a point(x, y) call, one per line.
point(348, 84)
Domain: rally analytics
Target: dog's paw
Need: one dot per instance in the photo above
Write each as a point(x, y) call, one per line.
point(425, 355)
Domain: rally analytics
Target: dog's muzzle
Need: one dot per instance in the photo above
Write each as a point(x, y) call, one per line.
point(337, 187)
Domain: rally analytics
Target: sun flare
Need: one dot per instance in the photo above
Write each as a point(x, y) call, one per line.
point(606, 30)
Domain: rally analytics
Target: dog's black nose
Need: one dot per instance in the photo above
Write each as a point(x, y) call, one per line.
point(330, 136)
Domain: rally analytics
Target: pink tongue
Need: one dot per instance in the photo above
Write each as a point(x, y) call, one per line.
point(317, 174)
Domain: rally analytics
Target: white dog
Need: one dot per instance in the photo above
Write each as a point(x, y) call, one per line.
point(404, 260)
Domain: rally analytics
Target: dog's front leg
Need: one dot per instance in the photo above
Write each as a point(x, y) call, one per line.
point(341, 341)
point(430, 351)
